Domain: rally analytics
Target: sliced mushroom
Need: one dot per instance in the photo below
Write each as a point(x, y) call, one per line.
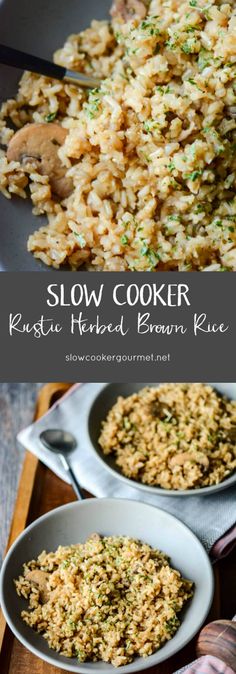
point(39, 144)
point(231, 111)
point(231, 433)
point(94, 537)
point(129, 9)
point(181, 458)
point(39, 580)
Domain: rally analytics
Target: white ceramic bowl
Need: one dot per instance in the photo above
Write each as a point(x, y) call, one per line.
point(72, 524)
point(100, 404)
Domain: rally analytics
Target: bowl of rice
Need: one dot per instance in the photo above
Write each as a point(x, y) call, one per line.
point(149, 154)
point(87, 588)
point(177, 439)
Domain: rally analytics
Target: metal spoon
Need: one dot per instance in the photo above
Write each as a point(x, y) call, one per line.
point(18, 59)
point(62, 443)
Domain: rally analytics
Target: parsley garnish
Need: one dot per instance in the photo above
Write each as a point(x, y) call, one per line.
point(204, 59)
point(93, 103)
point(193, 176)
point(188, 46)
point(150, 126)
point(151, 255)
point(50, 117)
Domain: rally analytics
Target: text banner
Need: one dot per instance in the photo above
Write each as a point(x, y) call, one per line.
point(117, 327)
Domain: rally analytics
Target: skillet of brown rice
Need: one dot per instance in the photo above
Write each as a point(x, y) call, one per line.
point(151, 153)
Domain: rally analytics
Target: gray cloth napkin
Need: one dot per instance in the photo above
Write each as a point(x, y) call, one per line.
point(209, 517)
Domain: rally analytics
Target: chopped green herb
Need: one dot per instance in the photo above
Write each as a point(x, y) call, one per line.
point(171, 43)
point(118, 36)
point(205, 11)
point(50, 117)
point(172, 624)
point(152, 255)
point(144, 249)
point(126, 423)
point(188, 47)
point(65, 564)
point(150, 126)
point(192, 81)
point(146, 157)
point(93, 103)
point(149, 26)
point(204, 59)
point(193, 176)
point(72, 624)
point(124, 239)
point(80, 654)
point(190, 29)
point(129, 51)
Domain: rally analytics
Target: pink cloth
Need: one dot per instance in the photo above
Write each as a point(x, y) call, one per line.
point(224, 545)
point(208, 664)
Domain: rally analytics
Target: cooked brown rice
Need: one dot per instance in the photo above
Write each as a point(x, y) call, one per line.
point(152, 153)
point(110, 598)
point(176, 436)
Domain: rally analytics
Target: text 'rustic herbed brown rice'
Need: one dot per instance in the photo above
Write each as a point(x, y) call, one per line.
point(151, 153)
point(109, 599)
point(176, 436)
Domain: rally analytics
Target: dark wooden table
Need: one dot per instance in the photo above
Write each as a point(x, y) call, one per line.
point(17, 403)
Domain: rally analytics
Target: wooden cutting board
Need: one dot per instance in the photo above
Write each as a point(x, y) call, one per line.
point(39, 491)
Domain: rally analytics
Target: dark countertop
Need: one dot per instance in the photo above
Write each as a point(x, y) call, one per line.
point(17, 402)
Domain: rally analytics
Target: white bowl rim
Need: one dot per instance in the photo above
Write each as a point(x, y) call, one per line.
point(159, 491)
point(141, 663)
